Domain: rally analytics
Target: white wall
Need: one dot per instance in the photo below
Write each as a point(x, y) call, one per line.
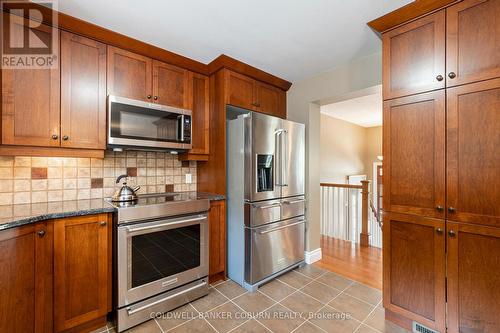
point(303, 101)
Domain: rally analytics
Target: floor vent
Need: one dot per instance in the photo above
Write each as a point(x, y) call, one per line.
point(419, 328)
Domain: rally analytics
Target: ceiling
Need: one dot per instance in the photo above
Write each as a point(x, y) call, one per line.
point(293, 39)
point(364, 111)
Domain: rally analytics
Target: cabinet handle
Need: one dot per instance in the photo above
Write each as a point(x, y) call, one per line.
point(103, 223)
point(452, 233)
point(55, 136)
point(439, 231)
point(156, 98)
point(439, 208)
point(451, 209)
point(65, 138)
point(439, 78)
point(452, 75)
point(256, 104)
point(41, 233)
point(148, 96)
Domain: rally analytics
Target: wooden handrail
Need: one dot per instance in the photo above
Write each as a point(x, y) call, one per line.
point(365, 192)
point(341, 185)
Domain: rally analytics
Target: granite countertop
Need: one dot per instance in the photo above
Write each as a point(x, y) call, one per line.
point(12, 216)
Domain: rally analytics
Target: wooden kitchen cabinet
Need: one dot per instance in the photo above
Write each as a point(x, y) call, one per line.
point(83, 92)
point(414, 268)
point(200, 137)
point(472, 39)
point(30, 99)
point(26, 279)
point(414, 57)
point(473, 278)
point(129, 74)
point(473, 164)
point(82, 271)
point(217, 235)
point(414, 154)
point(171, 85)
point(247, 93)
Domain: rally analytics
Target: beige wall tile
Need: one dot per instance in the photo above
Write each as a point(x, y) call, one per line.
point(83, 194)
point(6, 198)
point(6, 161)
point(69, 195)
point(22, 161)
point(108, 172)
point(69, 184)
point(54, 161)
point(39, 185)
point(6, 185)
point(96, 193)
point(108, 192)
point(96, 173)
point(39, 162)
point(96, 162)
point(69, 172)
point(109, 162)
point(54, 172)
point(22, 185)
point(22, 197)
point(83, 162)
point(69, 162)
point(55, 196)
point(83, 172)
point(83, 183)
point(6, 173)
point(39, 196)
point(108, 182)
point(55, 184)
point(22, 173)
point(131, 162)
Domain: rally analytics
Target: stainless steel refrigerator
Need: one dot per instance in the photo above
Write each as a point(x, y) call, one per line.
point(266, 202)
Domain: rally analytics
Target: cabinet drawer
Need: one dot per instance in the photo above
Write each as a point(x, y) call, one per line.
point(262, 213)
point(293, 207)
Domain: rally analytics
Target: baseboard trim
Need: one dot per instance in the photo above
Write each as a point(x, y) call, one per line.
point(313, 256)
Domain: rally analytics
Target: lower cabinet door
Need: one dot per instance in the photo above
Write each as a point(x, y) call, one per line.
point(26, 279)
point(414, 268)
point(217, 238)
point(81, 270)
point(473, 278)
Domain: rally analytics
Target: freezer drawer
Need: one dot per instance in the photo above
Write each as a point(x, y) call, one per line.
point(272, 248)
point(261, 213)
point(293, 207)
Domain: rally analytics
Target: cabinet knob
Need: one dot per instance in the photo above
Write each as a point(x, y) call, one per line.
point(439, 208)
point(439, 78)
point(65, 138)
point(451, 209)
point(155, 98)
point(103, 223)
point(439, 231)
point(148, 96)
point(55, 136)
point(41, 233)
point(452, 233)
point(256, 104)
point(452, 75)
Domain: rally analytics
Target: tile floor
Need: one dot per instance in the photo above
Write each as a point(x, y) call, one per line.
point(307, 299)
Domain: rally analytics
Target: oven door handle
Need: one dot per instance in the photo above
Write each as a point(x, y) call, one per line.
point(131, 311)
point(132, 229)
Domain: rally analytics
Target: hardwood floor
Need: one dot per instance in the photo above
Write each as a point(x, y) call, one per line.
point(362, 264)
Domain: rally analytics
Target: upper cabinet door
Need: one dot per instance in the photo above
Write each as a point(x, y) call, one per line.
point(414, 268)
point(240, 90)
point(473, 159)
point(414, 154)
point(83, 92)
point(170, 85)
point(270, 100)
point(414, 57)
point(201, 114)
point(30, 98)
point(473, 41)
point(129, 75)
point(473, 267)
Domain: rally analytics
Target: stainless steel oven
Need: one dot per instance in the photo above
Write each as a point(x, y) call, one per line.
point(134, 124)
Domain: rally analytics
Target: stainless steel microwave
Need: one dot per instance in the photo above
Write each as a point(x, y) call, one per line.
point(136, 124)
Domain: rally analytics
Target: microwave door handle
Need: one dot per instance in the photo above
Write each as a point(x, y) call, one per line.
point(181, 132)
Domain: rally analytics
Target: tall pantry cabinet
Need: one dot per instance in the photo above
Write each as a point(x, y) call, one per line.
point(441, 143)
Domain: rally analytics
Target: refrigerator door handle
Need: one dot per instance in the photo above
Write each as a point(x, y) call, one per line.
point(278, 135)
point(284, 159)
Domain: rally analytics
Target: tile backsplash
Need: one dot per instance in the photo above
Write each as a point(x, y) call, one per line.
point(25, 179)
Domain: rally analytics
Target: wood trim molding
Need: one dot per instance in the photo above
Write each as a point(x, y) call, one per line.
point(77, 26)
point(49, 151)
point(407, 13)
point(224, 61)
